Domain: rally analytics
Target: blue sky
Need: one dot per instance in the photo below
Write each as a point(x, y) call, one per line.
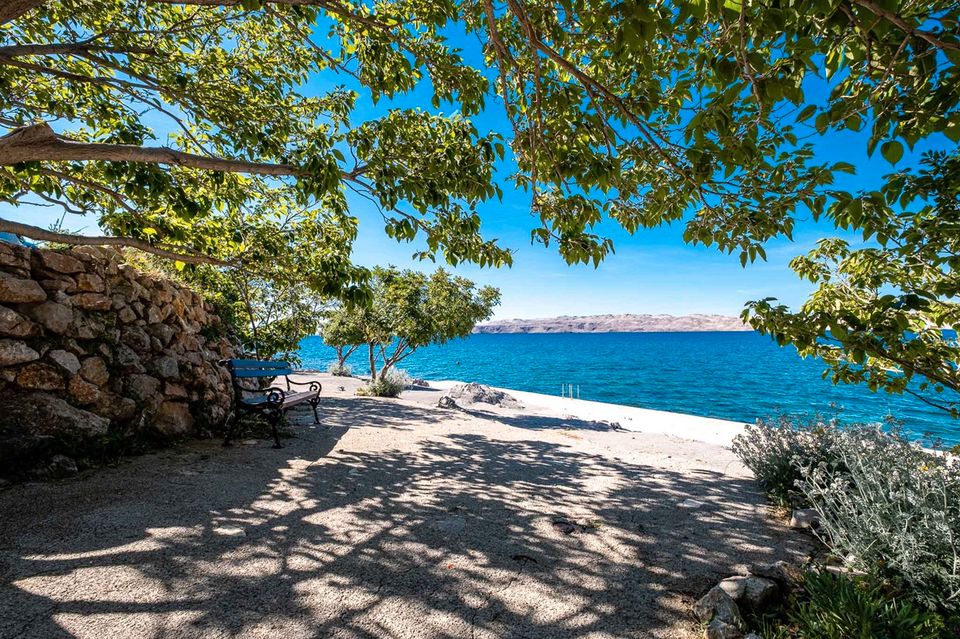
point(652, 271)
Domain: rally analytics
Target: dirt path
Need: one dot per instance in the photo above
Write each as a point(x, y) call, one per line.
point(393, 519)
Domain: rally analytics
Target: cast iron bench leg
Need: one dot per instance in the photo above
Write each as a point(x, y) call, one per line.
point(234, 418)
point(275, 417)
point(313, 405)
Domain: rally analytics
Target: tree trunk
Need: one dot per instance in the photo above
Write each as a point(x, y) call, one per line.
point(373, 363)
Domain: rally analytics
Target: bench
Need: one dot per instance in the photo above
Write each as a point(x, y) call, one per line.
point(272, 402)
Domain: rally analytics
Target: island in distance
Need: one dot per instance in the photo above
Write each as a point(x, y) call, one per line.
point(627, 323)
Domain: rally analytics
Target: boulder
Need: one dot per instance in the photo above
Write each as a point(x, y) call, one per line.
point(18, 290)
point(466, 394)
point(173, 419)
point(59, 262)
point(13, 352)
point(53, 316)
point(717, 604)
point(65, 360)
point(13, 324)
point(39, 376)
point(94, 370)
point(750, 592)
point(30, 421)
point(82, 391)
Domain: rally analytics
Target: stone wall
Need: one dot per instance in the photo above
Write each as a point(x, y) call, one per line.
point(94, 351)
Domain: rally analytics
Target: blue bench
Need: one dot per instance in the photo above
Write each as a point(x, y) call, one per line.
point(272, 402)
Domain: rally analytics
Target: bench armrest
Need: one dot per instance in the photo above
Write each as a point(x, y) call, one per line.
point(314, 385)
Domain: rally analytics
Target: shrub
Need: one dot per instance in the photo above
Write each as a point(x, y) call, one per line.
point(779, 451)
point(340, 370)
point(841, 607)
point(388, 384)
point(894, 511)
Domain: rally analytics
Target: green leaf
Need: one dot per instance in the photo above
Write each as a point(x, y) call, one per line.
point(892, 151)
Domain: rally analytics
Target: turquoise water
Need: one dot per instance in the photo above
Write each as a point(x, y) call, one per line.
point(737, 376)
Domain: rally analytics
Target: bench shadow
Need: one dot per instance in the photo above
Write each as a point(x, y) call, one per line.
point(463, 535)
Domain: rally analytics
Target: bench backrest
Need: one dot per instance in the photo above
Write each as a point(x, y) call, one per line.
point(255, 368)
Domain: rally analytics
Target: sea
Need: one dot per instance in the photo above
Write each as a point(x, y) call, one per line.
point(739, 376)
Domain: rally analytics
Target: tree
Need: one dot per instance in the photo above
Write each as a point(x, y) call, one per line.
point(878, 312)
point(691, 111)
point(410, 310)
point(344, 332)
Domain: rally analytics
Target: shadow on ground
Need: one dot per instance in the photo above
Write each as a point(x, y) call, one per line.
point(370, 532)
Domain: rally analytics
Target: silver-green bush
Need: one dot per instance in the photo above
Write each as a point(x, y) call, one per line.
point(388, 384)
point(894, 510)
point(778, 452)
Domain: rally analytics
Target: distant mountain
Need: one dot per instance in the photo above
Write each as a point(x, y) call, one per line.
point(628, 323)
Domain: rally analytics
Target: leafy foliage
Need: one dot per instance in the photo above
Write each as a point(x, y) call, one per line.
point(409, 310)
point(877, 314)
point(699, 112)
point(841, 607)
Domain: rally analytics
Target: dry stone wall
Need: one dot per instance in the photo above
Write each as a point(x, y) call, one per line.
point(93, 350)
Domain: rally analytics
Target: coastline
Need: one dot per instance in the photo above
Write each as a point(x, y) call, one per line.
point(640, 420)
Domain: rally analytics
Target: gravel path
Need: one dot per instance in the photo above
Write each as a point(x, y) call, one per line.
point(392, 519)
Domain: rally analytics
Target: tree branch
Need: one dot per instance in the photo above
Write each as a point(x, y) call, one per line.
point(903, 25)
point(38, 142)
point(12, 9)
point(37, 233)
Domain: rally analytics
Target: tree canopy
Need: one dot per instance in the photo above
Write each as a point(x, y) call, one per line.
point(701, 112)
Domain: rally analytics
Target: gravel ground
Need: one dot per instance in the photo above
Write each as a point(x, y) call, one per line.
point(391, 519)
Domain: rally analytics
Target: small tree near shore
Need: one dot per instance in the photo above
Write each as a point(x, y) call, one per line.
point(408, 310)
point(344, 332)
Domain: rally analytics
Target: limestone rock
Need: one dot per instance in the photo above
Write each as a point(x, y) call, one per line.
point(19, 290)
point(38, 376)
point(65, 360)
point(717, 604)
point(785, 574)
point(805, 518)
point(82, 391)
point(92, 301)
point(28, 421)
point(13, 352)
point(719, 629)
point(94, 370)
point(166, 367)
point(126, 315)
point(14, 324)
point(59, 262)
point(173, 419)
point(136, 338)
point(15, 257)
point(750, 592)
point(90, 282)
point(175, 390)
point(143, 387)
point(116, 408)
point(53, 316)
point(61, 466)
point(473, 393)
